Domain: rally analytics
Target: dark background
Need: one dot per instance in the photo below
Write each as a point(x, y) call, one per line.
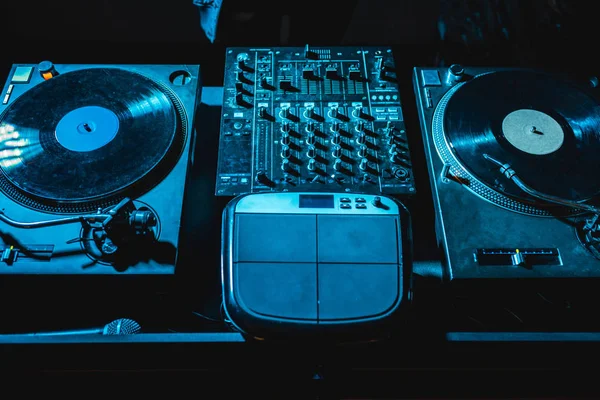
point(538, 33)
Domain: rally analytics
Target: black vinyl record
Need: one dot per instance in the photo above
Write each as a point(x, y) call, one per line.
point(547, 129)
point(86, 134)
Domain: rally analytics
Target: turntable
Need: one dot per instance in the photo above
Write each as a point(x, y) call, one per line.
point(513, 160)
point(93, 163)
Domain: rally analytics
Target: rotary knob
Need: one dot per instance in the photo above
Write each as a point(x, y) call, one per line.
point(337, 152)
point(360, 126)
point(286, 166)
point(362, 152)
point(310, 126)
point(312, 164)
point(389, 128)
point(310, 112)
point(285, 112)
point(312, 152)
point(361, 138)
point(286, 152)
point(310, 138)
point(390, 140)
point(285, 138)
point(364, 163)
point(262, 112)
point(336, 138)
point(393, 148)
point(334, 112)
point(396, 157)
point(337, 164)
point(335, 126)
point(286, 126)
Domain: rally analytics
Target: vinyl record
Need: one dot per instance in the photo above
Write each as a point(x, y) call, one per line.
point(86, 134)
point(548, 130)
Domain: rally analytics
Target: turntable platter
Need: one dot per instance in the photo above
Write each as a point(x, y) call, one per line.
point(548, 130)
point(86, 134)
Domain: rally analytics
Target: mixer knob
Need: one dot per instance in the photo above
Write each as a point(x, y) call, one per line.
point(286, 166)
point(336, 139)
point(242, 65)
point(262, 112)
point(264, 83)
point(396, 157)
point(312, 164)
point(239, 99)
point(354, 74)
point(285, 138)
point(360, 126)
point(335, 126)
point(389, 128)
point(262, 178)
point(239, 76)
point(337, 152)
point(310, 138)
point(312, 152)
point(357, 112)
point(286, 126)
point(334, 112)
point(308, 73)
point(362, 138)
point(285, 112)
point(285, 151)
point(310, 112)
point(393, 149)
point(337, 164)
point(285, 84)
point(239, 87)
point(362, 152)
point(391, 140)
point(331, 72)
point(364, 163)
point(310, 126)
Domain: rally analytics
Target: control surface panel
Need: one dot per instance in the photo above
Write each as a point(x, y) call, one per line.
point(312, 120)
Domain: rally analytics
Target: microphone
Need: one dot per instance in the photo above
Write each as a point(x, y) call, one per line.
point(122, 326)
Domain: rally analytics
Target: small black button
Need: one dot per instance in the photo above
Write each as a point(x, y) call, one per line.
point(345, 206)
point(345, 200)
point(360, 200)
point(361, 206)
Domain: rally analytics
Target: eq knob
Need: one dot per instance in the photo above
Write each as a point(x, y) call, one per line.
point(310, 138)
point(286, 152)
point(310, 126)
point(335, 126)
point(336, 138)
point(334, 112)
point(239, 99)
point(286, 126)
point(364, 164)
point(390, 140)
point(393, 149)
point(262, 112)
point(396, 157)
point(337, 164)
point(310, 112)
point(312, 164)
point(286, 166)
point(361, 139)
point(337, 152)
point(285, 112)
point(285, 138)
point(360, 126)
point(362, 152)
point(264, 83)
point(389, 128)
point(312, 152)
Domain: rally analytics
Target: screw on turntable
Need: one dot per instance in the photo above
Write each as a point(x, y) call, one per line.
point(93, 163)
point(512, 156)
